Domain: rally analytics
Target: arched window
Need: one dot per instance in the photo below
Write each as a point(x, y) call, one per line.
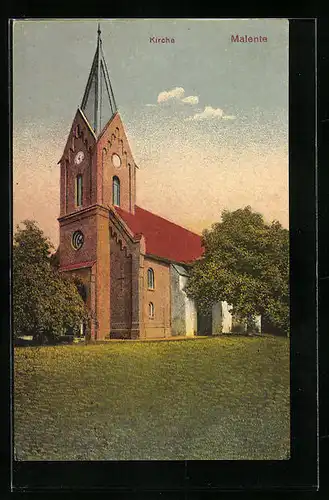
point(151, 310)
point(150, 278)
point(116, 191)
point(78, 190)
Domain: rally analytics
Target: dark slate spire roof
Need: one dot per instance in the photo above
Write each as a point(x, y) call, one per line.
point(98, 103)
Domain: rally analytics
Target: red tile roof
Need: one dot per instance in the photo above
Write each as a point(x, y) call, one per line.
point(162, 237)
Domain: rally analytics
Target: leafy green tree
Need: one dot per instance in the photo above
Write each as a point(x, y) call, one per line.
point(46, 304)
point(54, 259)
point(246, 263)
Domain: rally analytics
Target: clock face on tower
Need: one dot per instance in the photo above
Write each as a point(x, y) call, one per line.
point(79, 157)
point(116, 160)
point(77, 240)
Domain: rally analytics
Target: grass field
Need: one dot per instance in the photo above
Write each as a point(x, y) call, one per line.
point(216, 398)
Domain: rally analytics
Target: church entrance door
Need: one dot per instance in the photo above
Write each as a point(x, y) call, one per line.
point(204, 324)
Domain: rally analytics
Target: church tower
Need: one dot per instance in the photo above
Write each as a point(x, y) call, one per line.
point(97, 174)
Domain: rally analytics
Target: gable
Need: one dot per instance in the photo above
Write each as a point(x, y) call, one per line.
point(114, 132)
point(113, 143)
point(80, 130)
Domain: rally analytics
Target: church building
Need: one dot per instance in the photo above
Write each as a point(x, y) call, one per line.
point(134, 264)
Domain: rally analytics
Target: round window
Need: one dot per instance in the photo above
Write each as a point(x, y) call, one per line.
point(77, 240)
point(116, 160)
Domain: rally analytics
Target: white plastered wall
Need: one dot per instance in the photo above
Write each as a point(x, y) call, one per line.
point(221, 318)
point(190, 310)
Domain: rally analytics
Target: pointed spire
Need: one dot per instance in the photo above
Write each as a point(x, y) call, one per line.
point(98, 103)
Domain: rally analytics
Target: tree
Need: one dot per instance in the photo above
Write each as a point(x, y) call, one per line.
point(45, 303)
point(246, 263)
point(54, 259)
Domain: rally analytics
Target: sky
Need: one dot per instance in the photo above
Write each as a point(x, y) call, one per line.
point(206, 118)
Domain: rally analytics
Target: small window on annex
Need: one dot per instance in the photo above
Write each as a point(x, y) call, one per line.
point(151, 310)
point(116, 191)
point(78, 190)
point(150, 278)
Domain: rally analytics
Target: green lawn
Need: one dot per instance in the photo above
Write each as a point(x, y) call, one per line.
point(216, 398)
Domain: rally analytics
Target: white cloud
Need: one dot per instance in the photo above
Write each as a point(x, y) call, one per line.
point(191, 99)
point(210, 113)
point(176, 93)
point(150, 105)
point(229, 117)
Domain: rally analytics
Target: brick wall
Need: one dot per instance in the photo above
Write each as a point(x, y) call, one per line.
point(121, 290)
point(80, 139)
point(114, 141)
point(160, 325)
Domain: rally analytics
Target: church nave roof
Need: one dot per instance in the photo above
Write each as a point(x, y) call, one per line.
point(163, 238)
